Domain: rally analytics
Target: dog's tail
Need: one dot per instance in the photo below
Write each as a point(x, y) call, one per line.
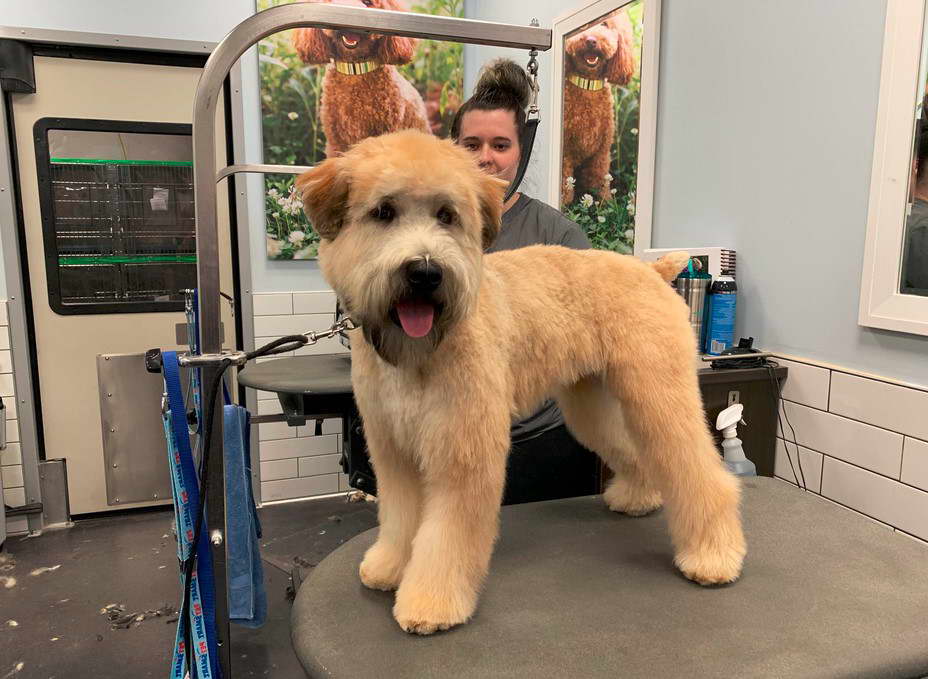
point(671, 264)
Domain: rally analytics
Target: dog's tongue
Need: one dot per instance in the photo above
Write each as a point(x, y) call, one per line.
point(415, 317)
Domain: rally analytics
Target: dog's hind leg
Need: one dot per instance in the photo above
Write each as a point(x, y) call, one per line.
point(399, 502)
point(594, 416)
point(659, 392)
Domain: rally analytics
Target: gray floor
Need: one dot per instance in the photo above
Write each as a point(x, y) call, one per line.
point(51, 620)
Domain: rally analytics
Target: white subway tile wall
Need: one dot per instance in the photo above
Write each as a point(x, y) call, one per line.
point(862, 442)
point(807, 384)
point(11, 467)
point(915, 463)
point(889, 406)
point(804, 468)
point(297, 462)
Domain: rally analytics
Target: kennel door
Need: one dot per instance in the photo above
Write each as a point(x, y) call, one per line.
point(109, 240)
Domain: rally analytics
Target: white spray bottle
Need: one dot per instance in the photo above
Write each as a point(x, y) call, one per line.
point(727, 423)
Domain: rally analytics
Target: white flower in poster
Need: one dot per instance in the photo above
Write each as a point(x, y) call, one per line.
point(614, 191)
point(631, 209)
point(275, 215)
point(601, 219)
point(296, 237)
point(273, 193)
point(570, 181)
point(634, 130)
point(630, 234)
point(293, 115)
point(586, 200)
point(608, 177)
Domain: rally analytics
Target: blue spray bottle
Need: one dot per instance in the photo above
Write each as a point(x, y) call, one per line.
point(720, 329)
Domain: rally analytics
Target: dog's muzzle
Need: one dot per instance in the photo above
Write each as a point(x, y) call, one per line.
point(416, 311)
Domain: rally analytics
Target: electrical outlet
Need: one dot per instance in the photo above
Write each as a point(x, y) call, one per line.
point(734, 397)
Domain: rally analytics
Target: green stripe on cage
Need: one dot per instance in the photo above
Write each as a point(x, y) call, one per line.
point(128, 259)
point(104, 161)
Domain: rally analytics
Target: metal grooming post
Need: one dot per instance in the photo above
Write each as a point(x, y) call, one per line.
point(205, 177)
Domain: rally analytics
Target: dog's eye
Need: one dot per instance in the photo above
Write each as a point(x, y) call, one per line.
point(445, 216)
point(369, 3)
point(383, 212)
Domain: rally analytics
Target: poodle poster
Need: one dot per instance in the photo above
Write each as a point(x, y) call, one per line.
point(324, 90)
point(601, 105)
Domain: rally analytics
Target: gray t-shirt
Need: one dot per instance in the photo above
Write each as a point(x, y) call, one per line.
point(915, 261)
point(531, 222)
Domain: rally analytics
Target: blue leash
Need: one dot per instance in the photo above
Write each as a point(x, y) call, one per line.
point(247, 599)
point(202, 613)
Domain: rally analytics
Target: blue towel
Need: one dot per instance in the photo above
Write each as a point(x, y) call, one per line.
point(247, 598)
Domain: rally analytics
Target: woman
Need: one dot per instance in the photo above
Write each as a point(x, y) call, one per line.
point(545, 461)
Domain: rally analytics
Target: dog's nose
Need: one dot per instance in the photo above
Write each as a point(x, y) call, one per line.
point(590, 41)
point(423, 275)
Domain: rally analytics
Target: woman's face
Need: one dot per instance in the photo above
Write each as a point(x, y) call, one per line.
point(492, 137)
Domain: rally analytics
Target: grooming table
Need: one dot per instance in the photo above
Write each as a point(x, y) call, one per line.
point(304, 383)
point(312, 388)
point(577, 591)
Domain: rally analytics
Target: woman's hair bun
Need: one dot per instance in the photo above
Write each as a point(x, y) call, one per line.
point(503, 84)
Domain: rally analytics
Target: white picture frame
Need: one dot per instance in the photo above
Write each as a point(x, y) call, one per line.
point(901, 82)
point(563, 26)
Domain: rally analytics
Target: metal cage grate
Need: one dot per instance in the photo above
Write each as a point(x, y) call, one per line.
point(124, 231)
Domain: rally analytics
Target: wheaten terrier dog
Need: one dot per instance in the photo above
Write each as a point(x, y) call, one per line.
point(453, 345)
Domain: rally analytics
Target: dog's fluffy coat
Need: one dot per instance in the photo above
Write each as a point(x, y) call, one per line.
point(602, 332)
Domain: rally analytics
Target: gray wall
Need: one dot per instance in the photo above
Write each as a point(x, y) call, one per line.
point(765, 142)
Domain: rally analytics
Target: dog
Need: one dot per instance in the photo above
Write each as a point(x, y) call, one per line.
point(455, 344)
point(593, 59)
point(364, 95)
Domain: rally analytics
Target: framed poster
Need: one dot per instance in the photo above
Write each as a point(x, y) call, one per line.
point(605, 120)
point(324, 90)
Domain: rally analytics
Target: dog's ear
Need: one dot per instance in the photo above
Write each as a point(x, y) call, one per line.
point(397, 50)
point(492, 190)
point(621, 67)
point(311, 45)
point(324, 189)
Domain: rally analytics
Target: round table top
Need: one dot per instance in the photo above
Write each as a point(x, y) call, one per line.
point(578, 591)
point(322, 374)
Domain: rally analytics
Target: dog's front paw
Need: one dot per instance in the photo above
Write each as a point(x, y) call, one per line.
point(382, 567)
point(622, 496)
point(712, 566)
point(419, 611)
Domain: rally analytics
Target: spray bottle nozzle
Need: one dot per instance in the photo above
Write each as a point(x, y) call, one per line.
point(728, 420)
point(727, 423)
